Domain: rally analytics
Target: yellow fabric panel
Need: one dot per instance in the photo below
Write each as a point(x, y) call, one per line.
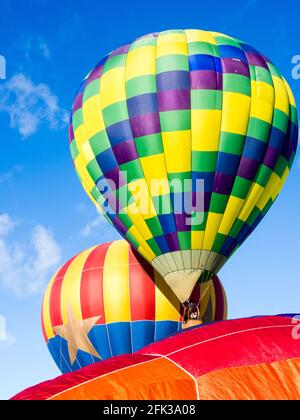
point(70, 289)
point(146, 253)
point(205, 294)
point(80, 163)
point(112, 87)
point(140, 193)
point(138, 211)
point(236, 109)
point(140, 230)
point(139, 222)
point(195, 35)
point(171, 43)
point(92, 116)
point(262, 101)
point(250, 202)
point(197, 239)
point(164, 310)
point(46, 309)
point(139, 238)
point(212, 226)
point(206, 126)
point(219, 34)
point(91, 197)
point(154, 169)
point(81, 160)
point(212, 295)
point(80, 136)
point(177, 144)
point(262, 110)
point(80, 166)
point(290, 93)
point(281, 95)
point(270, 187)
point(281, 183)
point(232, 209)
point(88, 152)
point(140, 61)
point(262, 90)
point(116, 293)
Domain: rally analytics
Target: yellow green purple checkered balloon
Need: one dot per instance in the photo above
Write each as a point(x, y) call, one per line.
point(188, 106)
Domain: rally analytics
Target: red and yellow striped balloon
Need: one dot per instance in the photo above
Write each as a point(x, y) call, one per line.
point(108, 301)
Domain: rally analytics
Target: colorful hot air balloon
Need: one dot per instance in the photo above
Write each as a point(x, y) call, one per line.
point(243, 359)
point(107, 301)
point(184, 139)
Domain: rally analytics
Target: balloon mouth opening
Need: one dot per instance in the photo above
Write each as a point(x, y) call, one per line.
point(191, 315)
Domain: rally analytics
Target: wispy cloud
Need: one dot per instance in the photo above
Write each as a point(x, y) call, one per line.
point(6, 176)
point(245, 6)
point(33, 46)
point(93, 225)
point(26, 267)
point(6, 224)
point(83, 208)
point(29, 105)
point(6, 339)
point(97, 229)
point(44, 48)
point(242, 12)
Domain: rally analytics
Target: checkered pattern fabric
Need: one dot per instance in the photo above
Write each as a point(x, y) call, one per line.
point(188, 105)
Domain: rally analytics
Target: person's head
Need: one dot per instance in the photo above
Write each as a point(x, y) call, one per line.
point(194, 315)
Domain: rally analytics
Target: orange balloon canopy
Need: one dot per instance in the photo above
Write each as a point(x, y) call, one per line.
point(250, 358)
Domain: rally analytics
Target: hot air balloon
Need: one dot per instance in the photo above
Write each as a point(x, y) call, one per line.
point(184, 139)
point(108, 301)
point(250, 358)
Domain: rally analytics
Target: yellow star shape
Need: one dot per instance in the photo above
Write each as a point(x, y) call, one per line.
point(75, 331)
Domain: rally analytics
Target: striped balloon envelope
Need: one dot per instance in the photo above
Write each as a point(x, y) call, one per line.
point(184, 116)
point(108, 301)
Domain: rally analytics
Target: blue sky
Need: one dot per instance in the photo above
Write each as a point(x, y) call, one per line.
point(45, 216)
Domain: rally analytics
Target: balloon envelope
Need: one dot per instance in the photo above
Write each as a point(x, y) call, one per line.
point(250, 358)
point(108, 301)
point(184, 138)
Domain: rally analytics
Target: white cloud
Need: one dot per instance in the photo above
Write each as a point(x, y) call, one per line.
point(6, 224)
point(29, 105)
point(90, 227)
point(6, 339)
point(82, 208)
point(26, 267)
point(98, 229)
point(6, 176)
point(44, 48)
point(33, 46)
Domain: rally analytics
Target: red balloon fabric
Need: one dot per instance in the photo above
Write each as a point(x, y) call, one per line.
point(249, 358)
